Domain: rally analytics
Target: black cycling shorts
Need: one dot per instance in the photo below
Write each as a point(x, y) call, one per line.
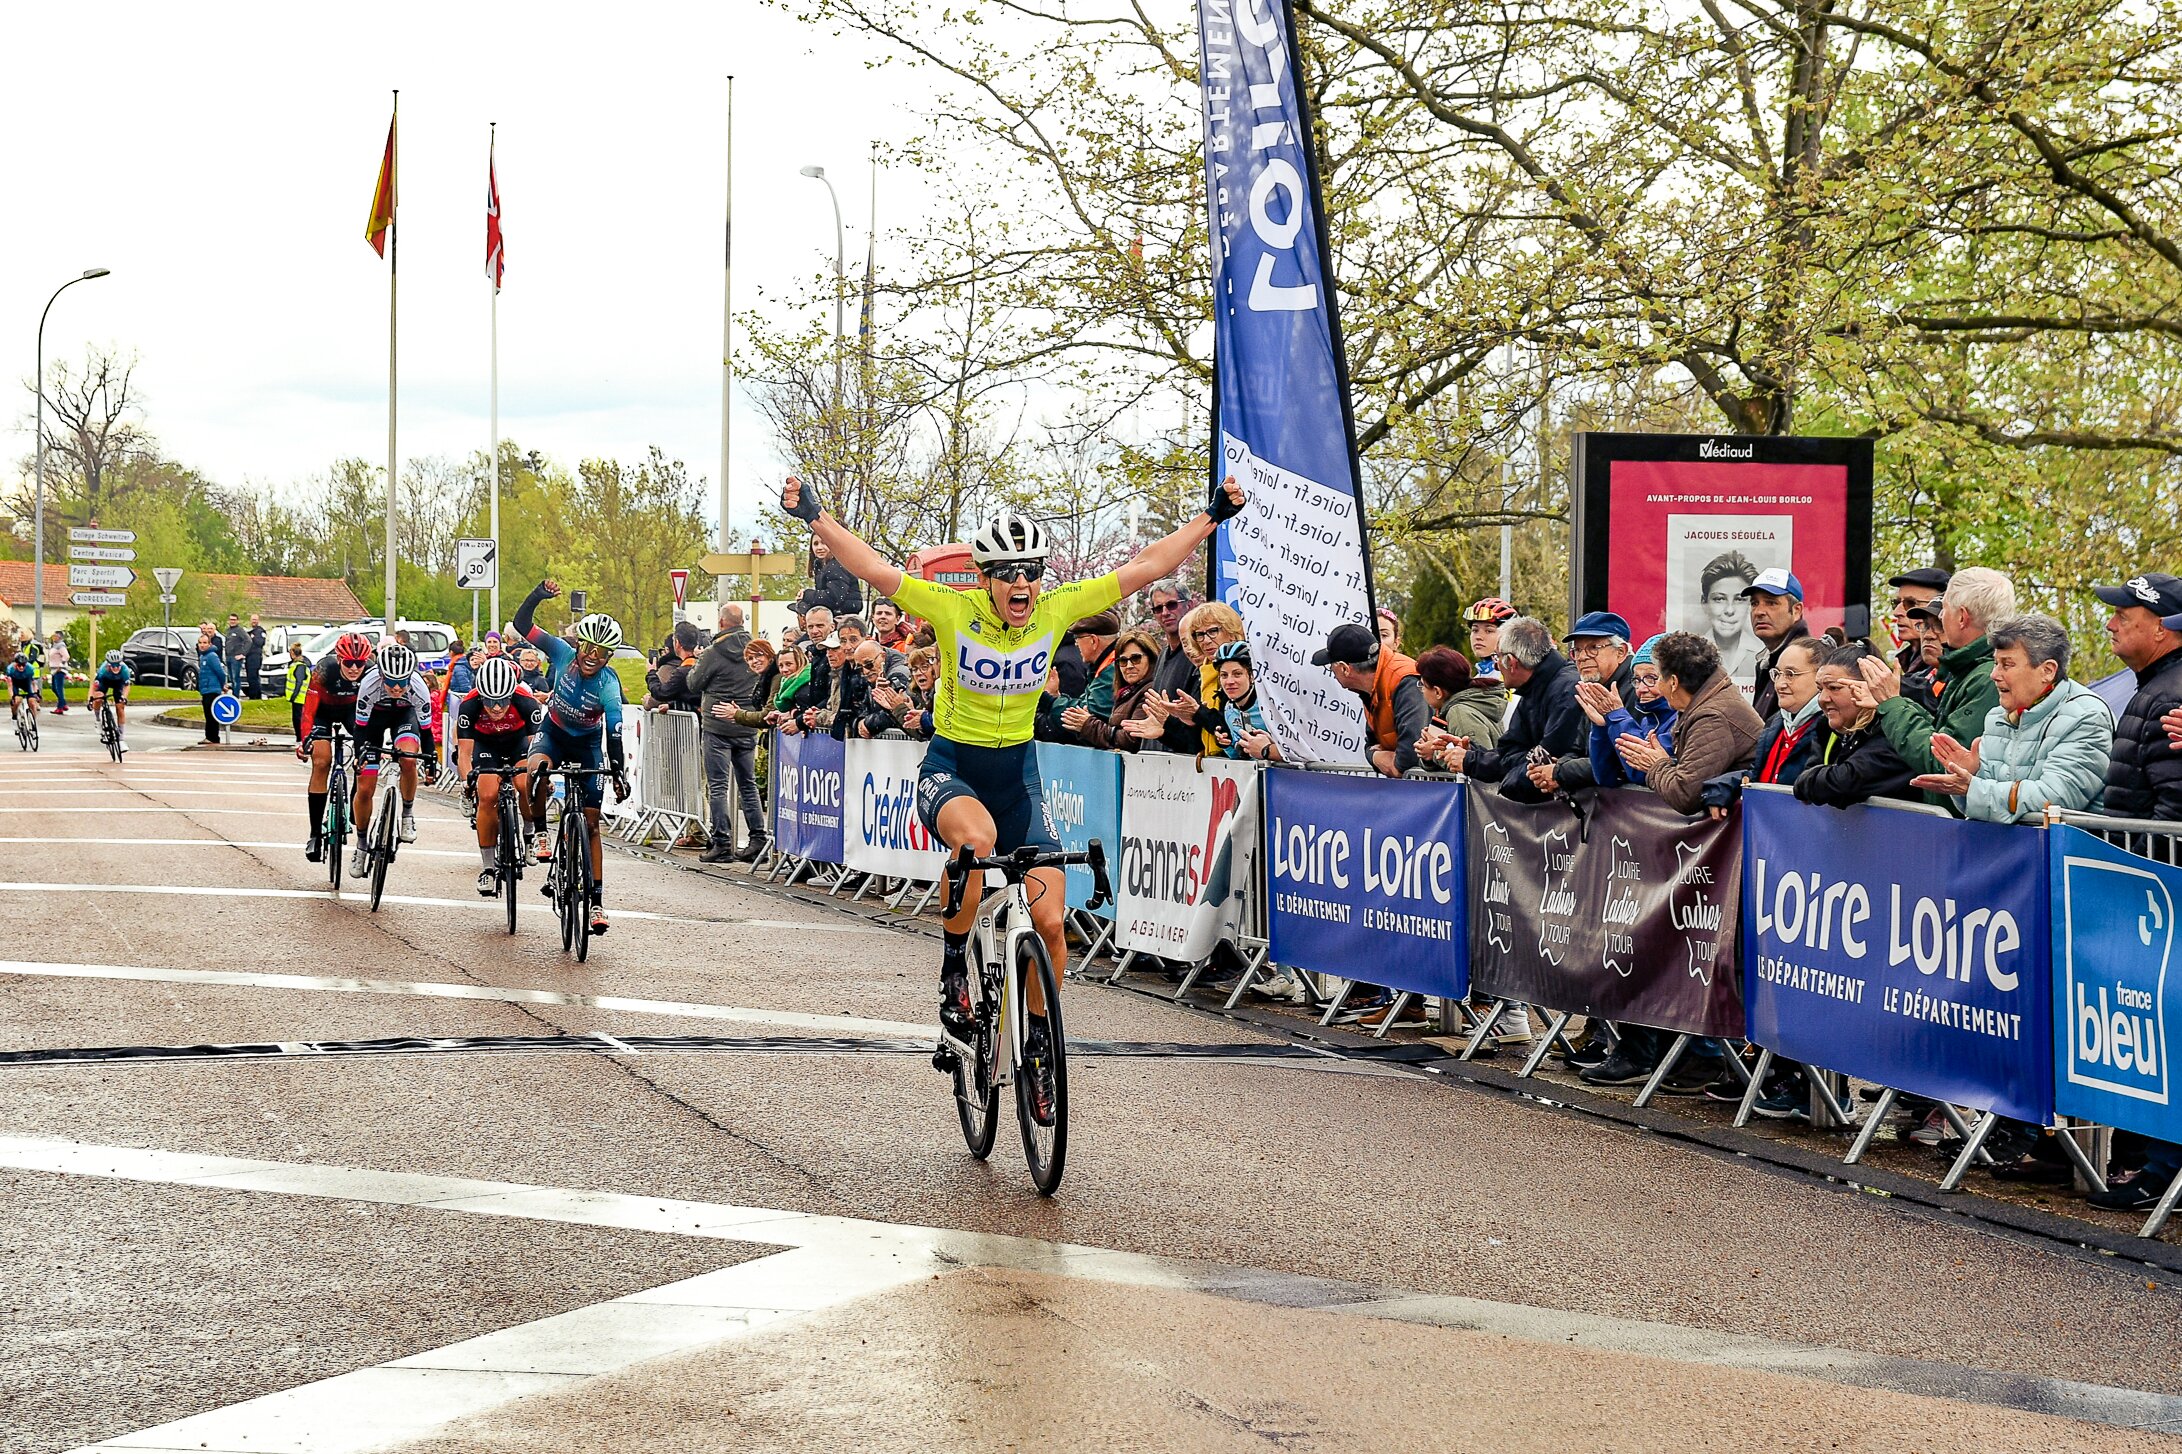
point(1004, 779)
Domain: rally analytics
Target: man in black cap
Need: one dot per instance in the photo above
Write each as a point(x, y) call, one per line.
point(1395, 711)
point(1914, 590)
point(2144, 773)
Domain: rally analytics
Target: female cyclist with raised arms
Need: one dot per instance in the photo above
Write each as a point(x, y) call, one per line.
point(979, 786)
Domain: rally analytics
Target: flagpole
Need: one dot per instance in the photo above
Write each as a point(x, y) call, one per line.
point(393, 249)
point(727, 342)
point(492, 138)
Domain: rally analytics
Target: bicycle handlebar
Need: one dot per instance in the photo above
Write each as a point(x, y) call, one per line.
point(1014, 866)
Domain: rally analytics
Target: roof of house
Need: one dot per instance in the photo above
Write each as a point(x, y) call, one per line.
point(286, 598)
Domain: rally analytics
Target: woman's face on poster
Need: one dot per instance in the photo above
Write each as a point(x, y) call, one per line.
point(1727, 608)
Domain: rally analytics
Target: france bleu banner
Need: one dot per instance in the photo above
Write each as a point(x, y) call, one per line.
point(1292, 563)
point(2113, 947)
point(1083, 798)
point(1368, 879)
point(807, 773)
point(1901, 948)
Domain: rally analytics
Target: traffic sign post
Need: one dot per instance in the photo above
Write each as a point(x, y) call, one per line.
point(681, 592)
point(168, 576)
point(226, 708)
point(477, 565)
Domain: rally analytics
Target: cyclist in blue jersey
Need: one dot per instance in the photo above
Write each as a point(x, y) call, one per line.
point(22, 685)
point(112, 680)
point(585, 696)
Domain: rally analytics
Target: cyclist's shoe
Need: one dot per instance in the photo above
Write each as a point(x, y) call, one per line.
point(598, 919)
point(545, 848)
point(488, 883)
point(954, 1003)
point(315, 849)
point(359, 861)
point(407, 832)
point(1038, 1070)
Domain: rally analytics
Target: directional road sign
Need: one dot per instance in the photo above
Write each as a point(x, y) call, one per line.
point(477, 565)
point(776, 564)
point(103, 576)
point(102, 552)
point(167, 575)
point(99, 598)
point(87, 536)
point(225, 708)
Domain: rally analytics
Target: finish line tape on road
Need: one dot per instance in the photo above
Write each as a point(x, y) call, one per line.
point(210, 891)
point(249, 979)
point(599, 1042)
point(837, 1259)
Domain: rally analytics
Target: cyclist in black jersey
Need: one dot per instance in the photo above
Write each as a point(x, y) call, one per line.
point(493, 727)
point(329, 705)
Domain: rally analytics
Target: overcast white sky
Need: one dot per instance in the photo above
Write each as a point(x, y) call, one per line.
point(220, 160)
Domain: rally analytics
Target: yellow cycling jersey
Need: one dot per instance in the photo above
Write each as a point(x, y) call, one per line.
point(990, 674)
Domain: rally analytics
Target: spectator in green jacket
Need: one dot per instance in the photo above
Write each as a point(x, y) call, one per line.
point(1975, 599)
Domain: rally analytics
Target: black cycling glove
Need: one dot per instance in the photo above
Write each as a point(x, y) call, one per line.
point(1219, 506)
point(806, 507)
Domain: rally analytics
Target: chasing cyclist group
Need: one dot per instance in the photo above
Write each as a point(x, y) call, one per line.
point(503, 729)
point(109, 685)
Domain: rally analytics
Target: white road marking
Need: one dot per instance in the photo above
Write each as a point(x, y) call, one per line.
point(249, 979)
point(839, 1259)
point(356, 895)
point(295, 845)
point(216, 792)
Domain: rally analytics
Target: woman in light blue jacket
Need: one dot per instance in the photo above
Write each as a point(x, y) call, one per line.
point(2045, 745)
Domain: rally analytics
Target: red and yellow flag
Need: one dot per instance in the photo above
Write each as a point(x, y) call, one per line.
point(382, 199)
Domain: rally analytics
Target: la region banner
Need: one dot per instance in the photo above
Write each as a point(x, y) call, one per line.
point(1293, 563)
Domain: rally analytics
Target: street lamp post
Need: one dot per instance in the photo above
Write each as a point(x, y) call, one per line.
point(840, 304)
point(37, 529)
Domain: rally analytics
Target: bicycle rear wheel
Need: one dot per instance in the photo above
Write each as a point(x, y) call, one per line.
point(977, 1078)
point(382, 840)
point(579, 868)
point(1045, 1129)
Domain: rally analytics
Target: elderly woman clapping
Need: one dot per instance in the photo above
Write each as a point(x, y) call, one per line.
point(2045, 745)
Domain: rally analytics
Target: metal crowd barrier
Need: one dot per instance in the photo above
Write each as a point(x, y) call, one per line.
point(671, 779)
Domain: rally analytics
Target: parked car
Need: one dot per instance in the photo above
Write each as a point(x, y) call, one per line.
point(430, 640)
point(162, 657)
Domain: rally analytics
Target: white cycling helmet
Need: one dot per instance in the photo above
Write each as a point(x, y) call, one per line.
point(496, 678)
point(396, 661)
point(1009, 536)
point(599, 629)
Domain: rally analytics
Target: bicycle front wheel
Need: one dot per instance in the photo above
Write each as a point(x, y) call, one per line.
point(113, 734)
point(382, 842)
point(977, 1077)
point(579, 889)
point(337, 812)
point(511, 855)
point(1041, 1082)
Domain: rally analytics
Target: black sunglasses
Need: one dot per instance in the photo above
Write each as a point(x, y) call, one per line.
point(1168, 606)
point(1016, 570)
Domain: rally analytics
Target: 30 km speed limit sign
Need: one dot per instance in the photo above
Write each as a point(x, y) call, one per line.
point(477, 565)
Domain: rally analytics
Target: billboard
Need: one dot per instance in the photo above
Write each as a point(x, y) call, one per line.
point(1670, 527)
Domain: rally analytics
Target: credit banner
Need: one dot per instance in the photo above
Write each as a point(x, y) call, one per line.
point(807, 774)
point(880, 829)
point(1901, 948)
point(2113, 941)
point(1367, 879)
point(1293, 562)
point(1188, 859)
point(1624, 909)
point(1083, 797)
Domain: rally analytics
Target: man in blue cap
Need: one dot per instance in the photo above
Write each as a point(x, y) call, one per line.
point(1598, 644)
point(1776, 615)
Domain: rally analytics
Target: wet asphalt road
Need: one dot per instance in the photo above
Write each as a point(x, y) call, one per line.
point(131, 1303)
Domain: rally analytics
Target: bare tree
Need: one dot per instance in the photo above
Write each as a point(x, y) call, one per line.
point(92, 429)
